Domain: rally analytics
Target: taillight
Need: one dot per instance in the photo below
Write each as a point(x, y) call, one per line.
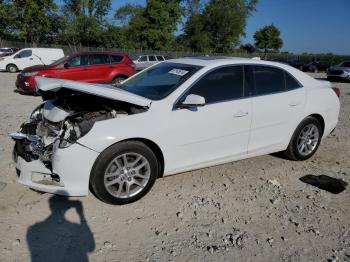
point(337, 91)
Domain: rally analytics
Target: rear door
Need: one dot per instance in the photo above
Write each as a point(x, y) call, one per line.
point(76, 69)
point(99, 68)
point(277, 102)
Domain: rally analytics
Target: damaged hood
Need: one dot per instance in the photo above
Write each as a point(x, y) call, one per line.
point(106, 91)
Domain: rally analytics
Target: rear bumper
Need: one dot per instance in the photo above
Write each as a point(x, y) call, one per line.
point(71, 165)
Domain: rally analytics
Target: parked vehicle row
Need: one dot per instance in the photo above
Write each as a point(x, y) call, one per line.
point(175, 116)
point(94, 67)
point(339, 72)
point(144, 61)
point(28, 57)
point(6, 51)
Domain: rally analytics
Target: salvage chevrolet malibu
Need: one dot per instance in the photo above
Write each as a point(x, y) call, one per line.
point(175, 116)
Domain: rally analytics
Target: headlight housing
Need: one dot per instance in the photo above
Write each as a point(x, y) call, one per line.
point(37, 114)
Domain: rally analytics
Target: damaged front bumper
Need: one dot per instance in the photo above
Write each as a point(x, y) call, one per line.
point(67, 173)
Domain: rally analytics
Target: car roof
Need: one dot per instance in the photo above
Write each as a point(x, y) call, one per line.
point(99, 52)
point(212, 61)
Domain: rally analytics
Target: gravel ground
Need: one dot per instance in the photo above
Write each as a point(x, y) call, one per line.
point(250, 210)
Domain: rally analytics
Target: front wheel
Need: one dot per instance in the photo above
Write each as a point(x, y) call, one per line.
point(11, 68)
point(305, 140)
point(124, 173)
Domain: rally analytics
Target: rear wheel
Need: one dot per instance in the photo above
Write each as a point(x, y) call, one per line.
point(11, 68)
point(305, 140)
point(117, 80)
point(124, 173)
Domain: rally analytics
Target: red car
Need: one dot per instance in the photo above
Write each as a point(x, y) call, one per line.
point(95, 67)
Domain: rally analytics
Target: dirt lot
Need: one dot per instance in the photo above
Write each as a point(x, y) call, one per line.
point(251, 210)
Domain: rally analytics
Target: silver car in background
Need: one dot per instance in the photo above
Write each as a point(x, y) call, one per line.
point(339, 72)
point(145, 61)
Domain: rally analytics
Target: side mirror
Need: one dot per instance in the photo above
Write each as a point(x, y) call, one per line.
point(66, 65)
point(193, 101)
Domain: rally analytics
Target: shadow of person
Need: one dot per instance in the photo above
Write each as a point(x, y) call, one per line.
point(56, 238)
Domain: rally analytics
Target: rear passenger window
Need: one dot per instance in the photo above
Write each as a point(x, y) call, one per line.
point(116, 58)
point(291, 83)
point(160, 58)
point(220, 85)
point(99, 59)
point(268, 80)
point(152, 58)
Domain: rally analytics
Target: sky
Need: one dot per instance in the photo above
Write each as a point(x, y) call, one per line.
point(313, 26)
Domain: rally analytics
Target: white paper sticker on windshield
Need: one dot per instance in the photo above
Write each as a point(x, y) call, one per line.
point(178, 72)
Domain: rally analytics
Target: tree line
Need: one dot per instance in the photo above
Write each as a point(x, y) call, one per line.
point(213, 26)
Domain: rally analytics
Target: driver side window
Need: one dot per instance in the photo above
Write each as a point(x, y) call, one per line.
point(220, 85)
point(81, 60)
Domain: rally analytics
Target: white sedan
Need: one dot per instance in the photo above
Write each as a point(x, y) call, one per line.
point(176, 116)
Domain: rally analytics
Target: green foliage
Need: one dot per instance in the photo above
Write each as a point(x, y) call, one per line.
point(125, 13)
point(154, 27)
point(29, 20)
point(220, 25)
point(209, 25)
point(268, 38)
point(84, 21)
point(249, 48)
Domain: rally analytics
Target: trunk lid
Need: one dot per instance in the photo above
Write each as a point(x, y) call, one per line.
point(106, 91)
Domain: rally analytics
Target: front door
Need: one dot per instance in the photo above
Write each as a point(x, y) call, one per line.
point(26, 58)
point(77, 69)
point(217, 131)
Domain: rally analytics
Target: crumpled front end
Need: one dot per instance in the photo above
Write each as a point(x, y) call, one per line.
point(47, 151)
point(46, 160)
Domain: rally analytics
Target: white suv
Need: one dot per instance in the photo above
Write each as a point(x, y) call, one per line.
point(145, 61)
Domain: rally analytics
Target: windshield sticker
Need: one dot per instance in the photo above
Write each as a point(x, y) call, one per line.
point(178, 72)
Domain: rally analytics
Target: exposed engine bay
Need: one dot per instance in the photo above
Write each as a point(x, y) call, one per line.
point(62, 119)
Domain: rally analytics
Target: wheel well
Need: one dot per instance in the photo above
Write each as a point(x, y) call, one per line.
point(320, 119)
point(11, 64)
point(122, 75)
point(156, 150)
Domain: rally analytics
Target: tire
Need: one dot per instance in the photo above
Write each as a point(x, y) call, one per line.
point(295, 150)
point(117, 80)
point(11, 68)
point(110, 174)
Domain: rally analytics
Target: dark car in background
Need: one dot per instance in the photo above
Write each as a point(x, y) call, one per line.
point(339, 72)
point(5, 51)
point(93, 67)
point(316, 66)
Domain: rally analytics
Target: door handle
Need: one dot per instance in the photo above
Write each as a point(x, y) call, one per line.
point(111, 67)
point(84, 69)
point(294, 103)
point(240, 114)
point(31, 58)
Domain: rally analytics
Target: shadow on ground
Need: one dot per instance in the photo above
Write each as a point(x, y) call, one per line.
point(56, 238)
point(330, 184)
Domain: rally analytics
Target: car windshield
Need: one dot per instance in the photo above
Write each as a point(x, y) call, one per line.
point(345, 64)
point(159, 81)
point(58, 61)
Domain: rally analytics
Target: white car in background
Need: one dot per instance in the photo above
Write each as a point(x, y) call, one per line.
point(29, 57)
point(145, 61)
point(176, 116)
